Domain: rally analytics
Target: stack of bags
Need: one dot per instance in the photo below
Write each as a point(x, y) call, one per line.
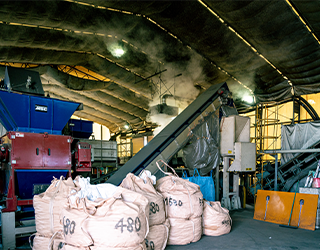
point(117, 221)
point(184, 203)
point(75, 215)
point(47, 207)
point(158, 224)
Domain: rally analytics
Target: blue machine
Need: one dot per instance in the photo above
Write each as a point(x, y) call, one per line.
point(28, 178)
point(80, 128)
point(35, 114)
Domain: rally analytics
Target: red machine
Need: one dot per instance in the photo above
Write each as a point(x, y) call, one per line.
point(82, 157)
point(33, 151)
point(51, 154)
point(30, 151)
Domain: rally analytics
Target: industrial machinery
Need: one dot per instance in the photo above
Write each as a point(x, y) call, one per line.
point(235, 146)
point(177, 133)
point(174, 136)
point(216, 101)
point(104, 154)
point(295, 169)
point(33, 149)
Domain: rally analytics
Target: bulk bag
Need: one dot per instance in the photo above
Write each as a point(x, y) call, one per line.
point(184, 231)
point(183, 198)
point(40, 242)
point(216, 219)
point(185, 176)
point(48, 205)
point(158, 236)
point(70, 247)
point(145, 187)
point(92, 192)
point(120, 221)
point(205, 183)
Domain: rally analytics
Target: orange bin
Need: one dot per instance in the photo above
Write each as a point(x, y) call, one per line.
point(278, 208)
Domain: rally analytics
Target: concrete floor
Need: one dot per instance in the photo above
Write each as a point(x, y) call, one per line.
point(247, 233)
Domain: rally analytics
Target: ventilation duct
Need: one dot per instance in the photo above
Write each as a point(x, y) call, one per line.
point(163, 108)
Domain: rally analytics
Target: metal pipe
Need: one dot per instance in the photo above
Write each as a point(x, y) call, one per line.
point(146, 78)
point(292, 110)
point(293, 151)
point(314, 116)
point(276, 173)
point(225, 188)
point(217, 183)
point(304, 101)
point(283, 123)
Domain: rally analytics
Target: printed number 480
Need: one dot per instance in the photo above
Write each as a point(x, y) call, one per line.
point(136, 224)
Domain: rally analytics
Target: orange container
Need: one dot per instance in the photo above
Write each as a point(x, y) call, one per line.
point(316, 183)
point(279, 207)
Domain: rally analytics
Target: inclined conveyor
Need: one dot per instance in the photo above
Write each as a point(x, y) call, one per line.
point(294, 170)
point(176, 134)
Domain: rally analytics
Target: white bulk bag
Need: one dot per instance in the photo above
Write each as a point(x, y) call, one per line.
point(40, 242)
point(70, 247)
point(183, 198)
point(184, 231)
point(92, 192)
point(145, 187)
point(48, 205)
point(117, 222)
point(216, 219)
point(158, 236)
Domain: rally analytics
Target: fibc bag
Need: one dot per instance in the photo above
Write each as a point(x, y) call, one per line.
point(184, 231)
point(205, 183)
point(92, 192)
point(120, 221)
point(48, 205)
point(183, 198)
point(39, 242)
point(157, 213)
point(216, 219)
point(70, 247)
point(158, 236)
point(185, 176)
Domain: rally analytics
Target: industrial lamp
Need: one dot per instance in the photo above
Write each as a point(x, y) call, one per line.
point(126, 126)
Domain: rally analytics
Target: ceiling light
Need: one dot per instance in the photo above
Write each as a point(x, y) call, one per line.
point(248, 99)
point(126, 126)
point(116, 50)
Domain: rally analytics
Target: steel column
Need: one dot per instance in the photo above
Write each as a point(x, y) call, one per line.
point(225, 189)
point(276, 173)
point(217, 183)
point(236, 184)
point(8, 230)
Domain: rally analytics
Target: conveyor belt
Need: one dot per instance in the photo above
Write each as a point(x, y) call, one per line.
point(173, 137)
point(294, 170)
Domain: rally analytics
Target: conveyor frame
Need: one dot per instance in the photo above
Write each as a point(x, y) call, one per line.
point(294, 170)
point(174, 136)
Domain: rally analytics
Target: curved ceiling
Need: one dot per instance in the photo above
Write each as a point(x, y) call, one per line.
point(269, 49)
